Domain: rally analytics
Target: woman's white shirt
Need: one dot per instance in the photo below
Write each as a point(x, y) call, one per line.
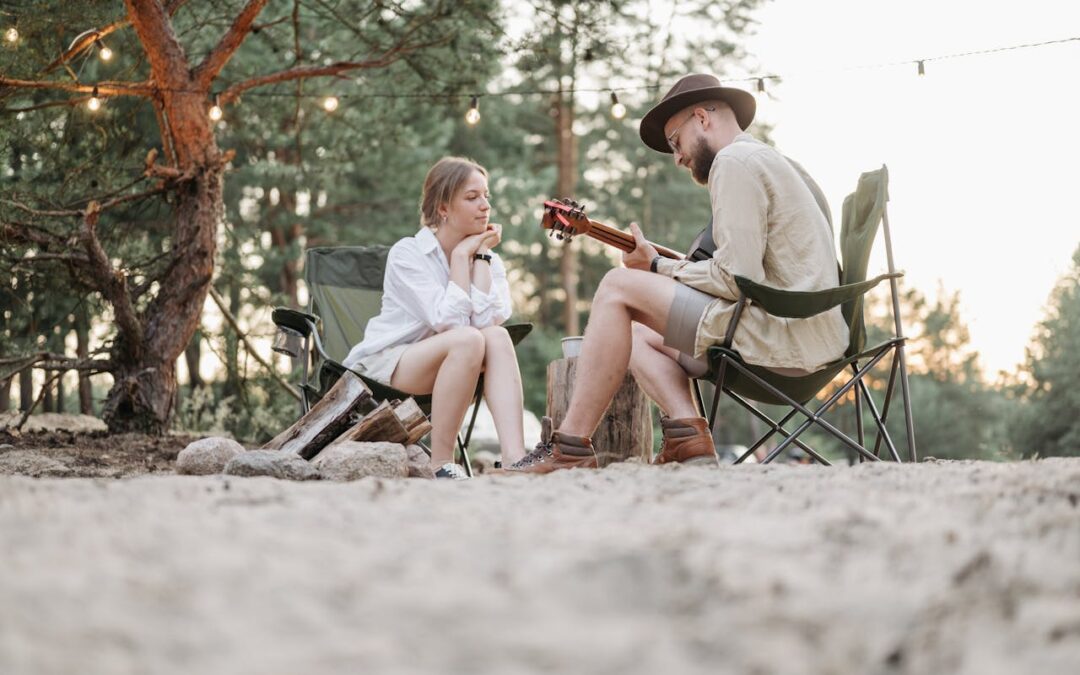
point(419, 299)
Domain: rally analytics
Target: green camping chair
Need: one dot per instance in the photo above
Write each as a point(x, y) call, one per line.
point(345, 284)
point(862, 212)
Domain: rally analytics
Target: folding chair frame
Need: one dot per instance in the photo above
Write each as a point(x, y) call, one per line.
point(729, 358)
point(307, 325)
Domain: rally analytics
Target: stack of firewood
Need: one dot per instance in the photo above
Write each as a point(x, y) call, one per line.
point(349, 413)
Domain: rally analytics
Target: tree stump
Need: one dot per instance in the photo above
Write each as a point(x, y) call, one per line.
point(625, 431)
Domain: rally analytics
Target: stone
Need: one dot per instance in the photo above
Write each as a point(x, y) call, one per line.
point(207, 456)
point(419, 462)
point(352, 460)
point(271, 463)
point(31, 463)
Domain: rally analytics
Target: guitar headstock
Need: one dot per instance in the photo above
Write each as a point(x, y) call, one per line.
point(564, 218)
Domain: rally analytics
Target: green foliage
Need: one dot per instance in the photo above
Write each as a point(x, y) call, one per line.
point(1047, 421)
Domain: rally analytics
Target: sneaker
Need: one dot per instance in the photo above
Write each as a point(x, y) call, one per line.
point(556, 451)
point(452, 471)
point(687, 441)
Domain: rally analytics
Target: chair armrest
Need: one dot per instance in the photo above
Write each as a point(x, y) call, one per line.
point(301, 322)
point(803, 304)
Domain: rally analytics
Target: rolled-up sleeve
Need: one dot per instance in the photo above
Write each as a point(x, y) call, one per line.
point(440, 307)
point(493, 307)
point(740, 224)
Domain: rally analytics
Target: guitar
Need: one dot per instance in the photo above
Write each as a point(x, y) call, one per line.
point(566, 219)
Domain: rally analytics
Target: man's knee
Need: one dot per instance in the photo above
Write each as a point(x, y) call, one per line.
point(615, 285)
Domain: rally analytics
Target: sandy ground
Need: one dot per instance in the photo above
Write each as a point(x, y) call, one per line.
point(930, 568)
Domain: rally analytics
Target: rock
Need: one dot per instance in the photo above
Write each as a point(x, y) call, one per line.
point(272, 463)
point(32, 463)
point(207, 456)
point(483, 461)
point(419, 462)
point(353, 460)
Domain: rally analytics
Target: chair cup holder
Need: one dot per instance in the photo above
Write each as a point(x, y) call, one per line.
point(288, 342)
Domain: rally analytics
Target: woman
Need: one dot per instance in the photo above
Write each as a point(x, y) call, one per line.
point(445, 295)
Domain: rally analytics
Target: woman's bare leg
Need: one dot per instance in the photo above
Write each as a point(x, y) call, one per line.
point(447, 366)
point(502, 391)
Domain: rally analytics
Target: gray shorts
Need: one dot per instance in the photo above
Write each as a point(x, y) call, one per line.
point(684, 316)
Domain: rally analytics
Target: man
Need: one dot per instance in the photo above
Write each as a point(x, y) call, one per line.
point(659, 317)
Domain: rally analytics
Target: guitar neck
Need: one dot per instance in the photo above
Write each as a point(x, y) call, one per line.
point(624, 241)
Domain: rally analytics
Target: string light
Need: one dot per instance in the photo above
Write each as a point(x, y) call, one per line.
point(922, 69)
point(12, 35)
point(215, 112)
point(472, 117)
point(761, 87)
point(94, 104)
point(330, 103)
point(618, 110)
point(104, 52)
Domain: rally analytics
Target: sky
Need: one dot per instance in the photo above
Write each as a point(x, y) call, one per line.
point(982, 150)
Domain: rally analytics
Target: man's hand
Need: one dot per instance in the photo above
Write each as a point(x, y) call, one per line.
point(641, 257)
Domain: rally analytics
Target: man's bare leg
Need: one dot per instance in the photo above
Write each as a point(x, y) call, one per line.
point(502, 391)
point(624, 296)
point(447, 366)
point(657, 371)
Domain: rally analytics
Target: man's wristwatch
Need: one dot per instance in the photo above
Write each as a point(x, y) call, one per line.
point(486, 257)
point(653, 264)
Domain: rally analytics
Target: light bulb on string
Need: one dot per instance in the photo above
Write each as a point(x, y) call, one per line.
point(94, 103)
point(215, 112)
point(618, 110)
point(922, 69)
point(472, 117)
point(104, 53)
point(330, 103)
point(12, 35)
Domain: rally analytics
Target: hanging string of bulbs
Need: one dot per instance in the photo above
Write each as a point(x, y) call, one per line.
point(618, 110)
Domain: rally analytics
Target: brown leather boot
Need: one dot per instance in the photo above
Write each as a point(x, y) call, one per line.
point(687, 441)
point(556, 451)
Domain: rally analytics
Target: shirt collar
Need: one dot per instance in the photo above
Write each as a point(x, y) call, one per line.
point(426, 238)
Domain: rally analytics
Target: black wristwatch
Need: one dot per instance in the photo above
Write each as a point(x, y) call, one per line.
point(486, 257)
point(655, 261)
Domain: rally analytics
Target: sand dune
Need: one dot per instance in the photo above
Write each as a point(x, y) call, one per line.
point(930, 568)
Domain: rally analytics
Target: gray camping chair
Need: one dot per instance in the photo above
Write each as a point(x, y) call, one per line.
point(345, 284)
point(864, 210)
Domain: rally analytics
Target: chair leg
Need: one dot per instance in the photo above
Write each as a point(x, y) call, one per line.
point(815, 417)
point(858, 415)
point(463, 446)
point(698, 400)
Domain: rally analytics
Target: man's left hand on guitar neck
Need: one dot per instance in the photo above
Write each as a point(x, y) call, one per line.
point(642, 256)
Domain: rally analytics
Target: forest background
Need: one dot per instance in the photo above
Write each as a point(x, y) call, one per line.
point(127, 231)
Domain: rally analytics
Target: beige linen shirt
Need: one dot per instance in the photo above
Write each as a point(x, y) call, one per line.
point(769, 228)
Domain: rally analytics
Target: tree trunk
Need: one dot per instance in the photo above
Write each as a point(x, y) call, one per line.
point(625, 430)
point(192, 357)
point(82, 351)
point(144, 389)
point(26, 388)
point(567, 183)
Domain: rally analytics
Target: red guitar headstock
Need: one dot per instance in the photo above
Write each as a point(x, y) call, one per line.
point(565, 218)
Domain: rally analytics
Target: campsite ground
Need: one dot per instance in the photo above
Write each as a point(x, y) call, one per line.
point(958, 567)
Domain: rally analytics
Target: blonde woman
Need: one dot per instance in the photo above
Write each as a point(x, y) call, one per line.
point(445, 296)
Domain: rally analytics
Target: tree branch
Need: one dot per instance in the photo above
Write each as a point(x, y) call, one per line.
point(111, 282)
point(220, 302)
point(217, 58)
point(103, 88)
point(332, 70)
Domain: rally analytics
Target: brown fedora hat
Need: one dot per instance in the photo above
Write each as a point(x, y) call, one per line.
point(688, 91)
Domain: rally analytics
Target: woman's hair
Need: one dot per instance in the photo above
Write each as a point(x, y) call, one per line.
point(443, 182)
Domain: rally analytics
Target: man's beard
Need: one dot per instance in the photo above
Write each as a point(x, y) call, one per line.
point(701, 159)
